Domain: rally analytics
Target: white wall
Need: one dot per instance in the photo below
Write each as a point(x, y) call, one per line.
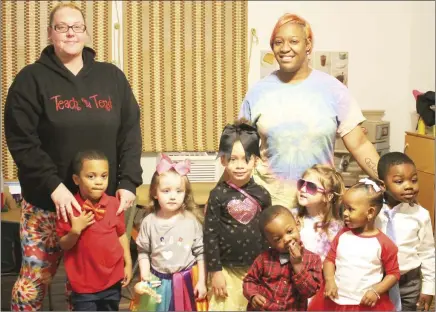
point(148, 164)
point(391, 46)
point(422, 71)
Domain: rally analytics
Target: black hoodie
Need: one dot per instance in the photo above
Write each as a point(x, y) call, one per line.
point(50, 115)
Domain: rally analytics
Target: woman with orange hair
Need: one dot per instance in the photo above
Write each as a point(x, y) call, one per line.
point(299, 111)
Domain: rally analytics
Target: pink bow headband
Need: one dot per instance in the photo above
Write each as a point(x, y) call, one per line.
point(165, 164)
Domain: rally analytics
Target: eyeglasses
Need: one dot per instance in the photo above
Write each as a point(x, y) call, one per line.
point(62, 28)
point(311, 187)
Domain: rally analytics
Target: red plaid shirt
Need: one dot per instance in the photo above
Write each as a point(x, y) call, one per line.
point(283, 289)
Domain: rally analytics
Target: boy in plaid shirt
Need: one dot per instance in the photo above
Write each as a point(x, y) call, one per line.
point(285, 276)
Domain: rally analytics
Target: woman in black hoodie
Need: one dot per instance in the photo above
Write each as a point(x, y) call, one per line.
point(64, 103)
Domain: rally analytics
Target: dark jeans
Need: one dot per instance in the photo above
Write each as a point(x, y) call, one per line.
point(99, 305)
point(106, 300)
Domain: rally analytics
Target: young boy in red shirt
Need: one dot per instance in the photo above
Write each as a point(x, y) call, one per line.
point(96, 250)
point(285, 276)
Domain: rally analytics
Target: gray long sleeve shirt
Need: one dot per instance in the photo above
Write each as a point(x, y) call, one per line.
point(171, 246)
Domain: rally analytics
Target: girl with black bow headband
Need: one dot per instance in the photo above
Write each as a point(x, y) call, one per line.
point(232, 238)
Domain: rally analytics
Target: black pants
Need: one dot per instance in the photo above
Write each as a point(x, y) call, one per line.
point(106, 300)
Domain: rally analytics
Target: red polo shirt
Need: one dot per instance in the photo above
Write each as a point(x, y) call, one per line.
point(96, 262)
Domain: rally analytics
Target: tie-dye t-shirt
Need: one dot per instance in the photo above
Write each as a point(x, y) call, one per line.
point(298, 124)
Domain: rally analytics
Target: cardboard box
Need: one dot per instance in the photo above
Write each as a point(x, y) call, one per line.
point(377, 131)
point(9, 201)
point(373, 115)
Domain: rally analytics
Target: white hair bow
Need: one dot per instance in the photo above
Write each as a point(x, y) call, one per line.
point(370, 182)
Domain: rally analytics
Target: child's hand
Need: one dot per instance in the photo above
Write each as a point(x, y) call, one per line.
point(152, 284)
point(155, 284)
point(200, 291)
point(145, 277)
point(295, 252)
point(127, 275)
point(219, 284)
point(424, 302)
point(81, 222)
point(369, 298)
point(257, 301)
point(331, 290)
point(142, 288)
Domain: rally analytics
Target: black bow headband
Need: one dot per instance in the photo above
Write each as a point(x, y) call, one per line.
point(248, 136)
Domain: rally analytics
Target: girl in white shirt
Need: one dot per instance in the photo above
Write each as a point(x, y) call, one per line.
point(362, 264)
point(318, 213)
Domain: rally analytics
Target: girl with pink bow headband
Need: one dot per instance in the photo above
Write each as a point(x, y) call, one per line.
point(170, 245)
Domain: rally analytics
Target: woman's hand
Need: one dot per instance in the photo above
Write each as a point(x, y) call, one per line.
point(64, 202)
point(219, 284)
point(126, 199)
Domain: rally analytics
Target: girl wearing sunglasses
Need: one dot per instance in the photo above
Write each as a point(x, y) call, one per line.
point(318, 211)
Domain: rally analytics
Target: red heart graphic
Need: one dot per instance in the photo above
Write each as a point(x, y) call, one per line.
point(242, 211)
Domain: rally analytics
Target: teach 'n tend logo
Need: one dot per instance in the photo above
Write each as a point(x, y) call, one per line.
point(94, 101)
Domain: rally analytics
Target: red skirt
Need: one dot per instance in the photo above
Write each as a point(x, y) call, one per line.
point(321, 303)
